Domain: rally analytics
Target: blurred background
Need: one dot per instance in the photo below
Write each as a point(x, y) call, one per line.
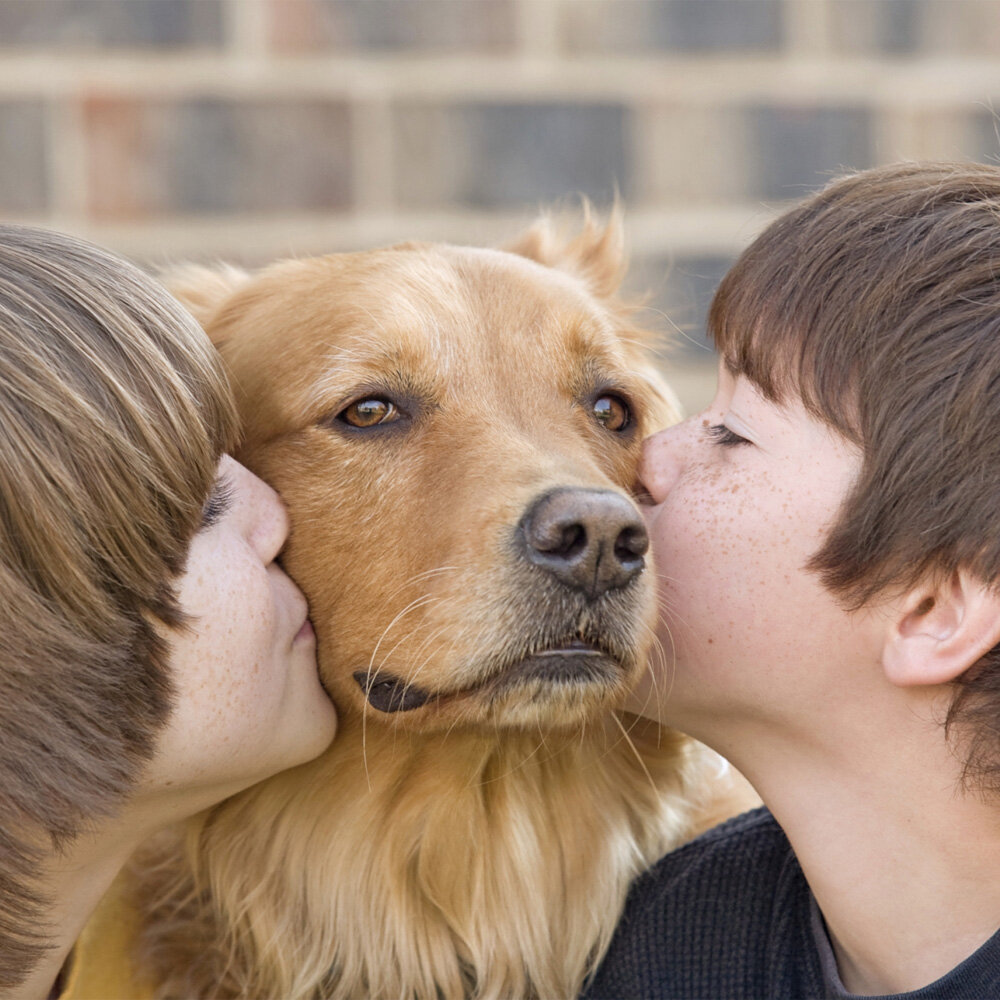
point(252, 129)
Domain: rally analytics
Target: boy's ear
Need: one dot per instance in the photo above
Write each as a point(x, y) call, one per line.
point(939, 630)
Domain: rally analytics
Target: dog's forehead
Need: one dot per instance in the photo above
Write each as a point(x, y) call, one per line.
point(434, 318)
point(500, 283)
point(438, 301)
point(500, 299)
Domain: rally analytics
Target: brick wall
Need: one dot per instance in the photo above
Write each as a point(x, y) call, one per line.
point(249, 129)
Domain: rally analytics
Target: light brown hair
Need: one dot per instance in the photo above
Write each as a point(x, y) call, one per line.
point(877, 301)
point(114, 412)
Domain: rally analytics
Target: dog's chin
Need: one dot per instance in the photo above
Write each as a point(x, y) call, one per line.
point(556, 687)
point(573, 665)
point(534, 702)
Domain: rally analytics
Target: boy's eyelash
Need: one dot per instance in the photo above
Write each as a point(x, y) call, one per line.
point(721, 434)
point(219, 501)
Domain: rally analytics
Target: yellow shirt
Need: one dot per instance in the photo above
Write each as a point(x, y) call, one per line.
point(101, 965)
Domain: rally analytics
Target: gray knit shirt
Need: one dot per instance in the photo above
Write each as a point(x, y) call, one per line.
point(730, 917)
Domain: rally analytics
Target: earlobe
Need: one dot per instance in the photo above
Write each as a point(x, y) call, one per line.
point(939, 630)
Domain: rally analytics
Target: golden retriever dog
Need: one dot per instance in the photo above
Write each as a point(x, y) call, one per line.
point(455, 432)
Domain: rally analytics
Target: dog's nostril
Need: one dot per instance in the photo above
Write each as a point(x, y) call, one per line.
point(632, 543)
point(557, 539)
point(590, 540)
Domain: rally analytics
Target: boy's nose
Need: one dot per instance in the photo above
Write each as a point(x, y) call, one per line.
point(269, 526)
point(259, 512)
point(660, 462)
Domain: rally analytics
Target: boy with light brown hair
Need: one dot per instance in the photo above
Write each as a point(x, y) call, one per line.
point(154, 657)
point(827, 534)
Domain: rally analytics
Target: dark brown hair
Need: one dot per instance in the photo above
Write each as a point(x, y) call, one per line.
point(114, 412)
point(877, 301)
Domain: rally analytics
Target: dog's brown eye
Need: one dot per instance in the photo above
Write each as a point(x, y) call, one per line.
point(612, 412)
point(369, 412)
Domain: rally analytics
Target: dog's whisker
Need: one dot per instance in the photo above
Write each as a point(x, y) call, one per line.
point(364, 748)
point(411, 581)
point(669, 666)
point(632, 747)
point(432, 636)
point(666, 610)
point(461, 639)
point(674, 326)
point(415, 605)
point(672, 673)
point(523, 762)
point(414, 674)
point(656, 654)
point(450, 729)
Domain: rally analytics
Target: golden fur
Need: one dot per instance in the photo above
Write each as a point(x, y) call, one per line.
point(479, 845)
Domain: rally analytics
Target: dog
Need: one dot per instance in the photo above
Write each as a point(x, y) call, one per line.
point(455, 432)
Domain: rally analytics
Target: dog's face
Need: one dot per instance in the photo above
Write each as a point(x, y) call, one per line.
point(453, 431)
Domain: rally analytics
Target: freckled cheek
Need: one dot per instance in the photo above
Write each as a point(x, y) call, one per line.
point(260, 640)
point(236, 643)
point(701, 524)
point(715, 553)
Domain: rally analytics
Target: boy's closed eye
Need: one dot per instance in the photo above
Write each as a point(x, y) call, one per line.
point(723, 435)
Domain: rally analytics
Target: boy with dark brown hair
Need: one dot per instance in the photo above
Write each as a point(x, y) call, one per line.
point(827, 535)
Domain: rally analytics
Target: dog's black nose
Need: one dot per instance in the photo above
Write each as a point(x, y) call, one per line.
point(590, 540)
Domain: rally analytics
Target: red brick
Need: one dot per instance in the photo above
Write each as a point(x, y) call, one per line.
point(392, 25)
point(212, 156)
point(88, 24)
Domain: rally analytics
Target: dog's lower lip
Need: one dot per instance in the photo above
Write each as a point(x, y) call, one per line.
point(305, 632)
point(576, 648)
point(391, 694)
point(574, 663)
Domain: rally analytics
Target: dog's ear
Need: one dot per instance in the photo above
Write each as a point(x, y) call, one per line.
point(202, 289)
point(596, 254)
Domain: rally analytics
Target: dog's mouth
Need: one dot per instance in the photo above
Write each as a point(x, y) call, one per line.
point(576, 662)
